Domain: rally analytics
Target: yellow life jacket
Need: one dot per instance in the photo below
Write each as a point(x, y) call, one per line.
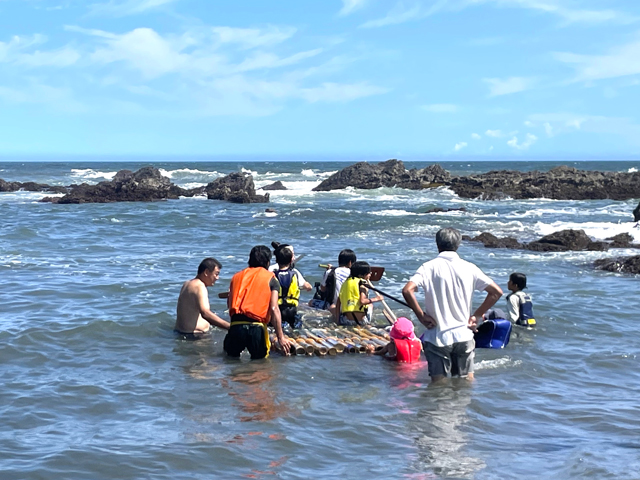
point(289, 288)
point(350, 296)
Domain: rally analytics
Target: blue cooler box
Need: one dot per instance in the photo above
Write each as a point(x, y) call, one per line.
point(493, 333)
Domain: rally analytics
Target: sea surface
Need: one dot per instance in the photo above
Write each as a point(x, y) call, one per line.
point(94, 384)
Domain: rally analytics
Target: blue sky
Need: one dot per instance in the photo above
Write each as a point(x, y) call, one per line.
point(337, 78)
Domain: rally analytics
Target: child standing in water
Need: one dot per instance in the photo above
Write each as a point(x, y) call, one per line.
point(519, 305)
point(352, 307)
point(404, 347)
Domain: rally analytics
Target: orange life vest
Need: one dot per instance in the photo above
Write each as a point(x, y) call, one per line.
point(250, 294)
point(408, 351)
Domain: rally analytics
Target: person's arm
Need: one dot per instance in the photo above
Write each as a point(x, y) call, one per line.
point(494, 292)
point(336, 311)
point(205, 310)
point(302, 282)
point(364, 296)
point(409, 294)
point(277, 321)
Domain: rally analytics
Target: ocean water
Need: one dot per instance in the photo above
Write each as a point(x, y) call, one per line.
point(95, 384)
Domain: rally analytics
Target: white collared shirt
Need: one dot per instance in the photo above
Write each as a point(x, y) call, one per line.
point(448, 283)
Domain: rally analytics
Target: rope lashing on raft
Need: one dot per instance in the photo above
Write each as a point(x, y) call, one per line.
point(334, 341)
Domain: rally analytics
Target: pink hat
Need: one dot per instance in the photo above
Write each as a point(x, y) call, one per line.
point(403, 328)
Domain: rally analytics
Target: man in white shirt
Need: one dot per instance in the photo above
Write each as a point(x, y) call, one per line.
point(448, 283)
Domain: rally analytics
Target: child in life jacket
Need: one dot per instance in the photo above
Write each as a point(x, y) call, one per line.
point(352, 306)
point(519, 305)
point(291, 282)
point(404, 346)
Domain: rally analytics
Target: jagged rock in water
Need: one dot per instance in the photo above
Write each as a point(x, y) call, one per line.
point(274, 186)
point(636, 214)
point(391, 173)
point(566, 240)
point(444, 210)
point(30, 187)
point(622, 240)
point(623, 265)
point(560, 183)
point(144, 185)
point(491, 241)
point(237, 187)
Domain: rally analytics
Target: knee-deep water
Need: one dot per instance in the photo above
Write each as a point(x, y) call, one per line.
point(94, 384)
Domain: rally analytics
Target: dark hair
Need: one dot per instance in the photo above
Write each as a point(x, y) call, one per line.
point(283, 252)
point(360, 269)
point(210, 264)
point(519, 280)
point(345, 257)
point(260, 256)
point(448, 239)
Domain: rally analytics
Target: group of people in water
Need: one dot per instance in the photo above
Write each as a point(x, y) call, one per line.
point(263, 294)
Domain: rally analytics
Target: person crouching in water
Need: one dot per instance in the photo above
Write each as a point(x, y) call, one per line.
point(404, 346)
point(519, 305)
point(253, 303)
point(291, 281)
point(352, 307)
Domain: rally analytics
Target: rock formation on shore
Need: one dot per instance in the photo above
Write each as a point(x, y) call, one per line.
point(621, 265)
point(636, 214)
point(30, 187)
point(560, 183)
point(391, 173)
point(274, 186)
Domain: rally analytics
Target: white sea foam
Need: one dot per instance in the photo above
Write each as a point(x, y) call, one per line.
point(253, 173)
point(632, 170)
point(188, 172)
point(115, 220)
point(308, 173)
point(503, 362)
point(392, 213)
point(90, 174)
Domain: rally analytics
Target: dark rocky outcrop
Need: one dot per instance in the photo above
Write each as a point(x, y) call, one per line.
point(636, 214)
point(622, 240)
point(274, 186)
point(622, 265)
point(236, 187)
point(144, 185)
point(30, 187)
point(444, 210)
point(491, 241)
point(560, 183)
point(391, 173)
point(566, 240)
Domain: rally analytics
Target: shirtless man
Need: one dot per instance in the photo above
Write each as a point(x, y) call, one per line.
point(193, 313)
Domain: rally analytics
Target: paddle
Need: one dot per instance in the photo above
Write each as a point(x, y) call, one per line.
point(388, 314)
point(389, 296)
point(376, 272)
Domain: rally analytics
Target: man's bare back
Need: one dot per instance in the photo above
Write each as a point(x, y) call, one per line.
point(193, 312)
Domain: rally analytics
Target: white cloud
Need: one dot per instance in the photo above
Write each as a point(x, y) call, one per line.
point(253, 37)
point(509, 85)
point(16, 51)
point(440, 108)
point(530, 139)
point(548, 129)
point(475, 136)
point(559, 8)
point(494, 133)
point(460, 146)
point(529, 124)
point(33, 92)
point(127, 7)
point(621, 61)
point(399, 14)
point(350, 6)
point(334, 92)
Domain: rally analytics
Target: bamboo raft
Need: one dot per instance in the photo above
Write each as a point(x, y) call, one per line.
point(333, 341)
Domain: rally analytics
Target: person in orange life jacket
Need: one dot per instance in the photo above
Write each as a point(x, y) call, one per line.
point(352, 307)
point(253, 303)
point(291, 281)
point(332, 282)
point(193, 315)
point(519, 305)
point(404, 346)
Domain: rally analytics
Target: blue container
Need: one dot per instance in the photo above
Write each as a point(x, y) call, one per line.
point(493, 334)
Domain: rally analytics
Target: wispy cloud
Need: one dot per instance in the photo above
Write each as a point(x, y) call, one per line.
point(460, 146)
point(19, 51)
point(560, 9)
point(399, 14)
point(128, 7)
point(498, 86)
point(476, 136)
point(350, 6)
point(529, 140)
point(619, 62)
point(441, 108)
point(494, 133)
